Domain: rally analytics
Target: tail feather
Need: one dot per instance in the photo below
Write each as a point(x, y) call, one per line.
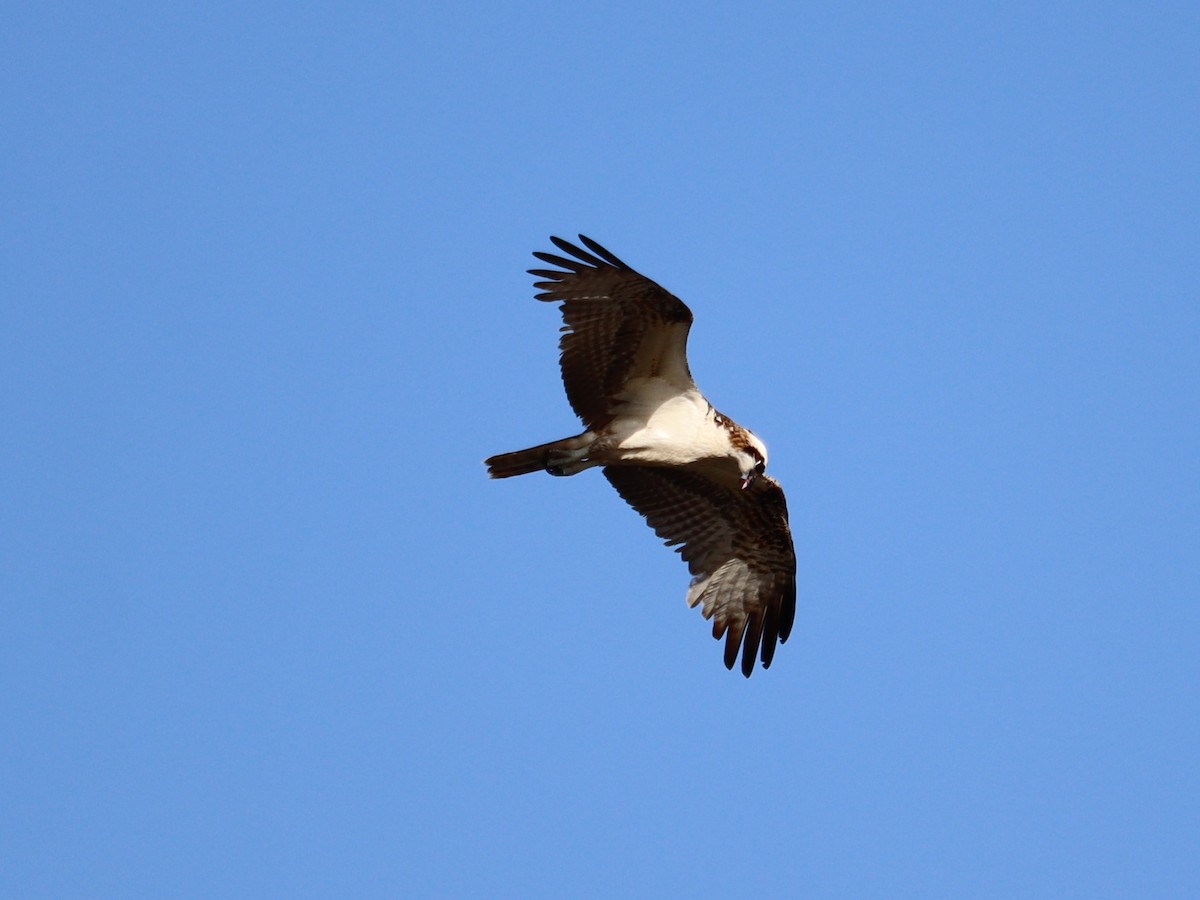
point(522, 462)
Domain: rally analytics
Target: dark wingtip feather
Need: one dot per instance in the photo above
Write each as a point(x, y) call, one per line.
point(754, 630)
point(571, 265)
point(788, 618)
point(577, 252)
point(770, 635)
point(732, 645)
point(602, 252)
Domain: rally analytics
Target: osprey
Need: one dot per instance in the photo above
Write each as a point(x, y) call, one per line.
point(695, 474)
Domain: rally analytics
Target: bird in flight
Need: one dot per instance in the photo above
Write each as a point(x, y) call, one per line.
point(695, 475)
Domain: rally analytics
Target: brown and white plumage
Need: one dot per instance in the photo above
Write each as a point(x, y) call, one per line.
point(617, 325)
point(737, 546)
point(693, 473)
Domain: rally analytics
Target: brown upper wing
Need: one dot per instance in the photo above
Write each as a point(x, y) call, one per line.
point(618, 325)
point(738, 547)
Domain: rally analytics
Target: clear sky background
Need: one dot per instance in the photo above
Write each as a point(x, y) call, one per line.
point(269, 630)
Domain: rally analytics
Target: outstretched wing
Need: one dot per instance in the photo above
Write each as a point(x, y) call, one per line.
point(618, 325)
point(738, 547)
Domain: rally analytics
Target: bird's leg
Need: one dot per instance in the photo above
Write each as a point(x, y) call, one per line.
point(571, 468)
point(570, 457)
point(568, 462)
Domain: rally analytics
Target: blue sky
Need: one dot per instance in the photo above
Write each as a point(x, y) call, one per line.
point(269, 629)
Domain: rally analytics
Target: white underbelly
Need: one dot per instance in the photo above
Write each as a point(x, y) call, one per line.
point(658, 423)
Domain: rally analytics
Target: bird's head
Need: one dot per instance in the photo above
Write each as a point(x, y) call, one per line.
point(753, 460)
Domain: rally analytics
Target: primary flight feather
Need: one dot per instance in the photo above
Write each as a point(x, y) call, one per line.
point(696, 475)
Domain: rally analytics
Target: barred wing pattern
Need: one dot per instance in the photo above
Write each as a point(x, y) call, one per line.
point(737, 545)
point(618, 325)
